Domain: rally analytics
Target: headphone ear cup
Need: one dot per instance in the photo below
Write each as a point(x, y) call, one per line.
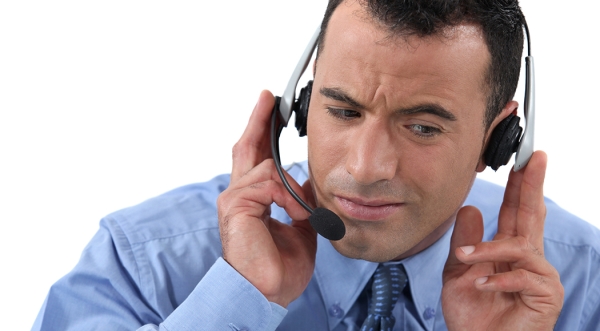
point(504, 141)
point(301, 108)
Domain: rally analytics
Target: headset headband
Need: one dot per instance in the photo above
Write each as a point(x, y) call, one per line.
point(525, 147)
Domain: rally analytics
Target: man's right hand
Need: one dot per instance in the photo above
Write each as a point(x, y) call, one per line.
point(278, 259)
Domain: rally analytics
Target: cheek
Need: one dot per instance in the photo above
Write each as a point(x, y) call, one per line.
point(320, 145)
point(327, 151)
point(448, 180)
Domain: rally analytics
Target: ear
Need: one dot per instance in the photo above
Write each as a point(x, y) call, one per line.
point(510, 108)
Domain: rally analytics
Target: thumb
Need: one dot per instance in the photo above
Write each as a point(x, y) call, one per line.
point(468, 230)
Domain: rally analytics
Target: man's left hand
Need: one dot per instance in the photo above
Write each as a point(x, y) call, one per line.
point(504, 284)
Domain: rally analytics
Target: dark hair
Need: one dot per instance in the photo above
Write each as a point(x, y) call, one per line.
point(501, 22)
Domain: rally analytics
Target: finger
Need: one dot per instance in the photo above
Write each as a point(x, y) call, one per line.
point(526, 282)
point(532, 209)
point(254, 144)
point(523, 202)
point(265, 176)
point(261, 195)
point(308, 197)
point(543, 294)
point(507, 218)
point(468, 231)
point(243, 214)
point(516, 252)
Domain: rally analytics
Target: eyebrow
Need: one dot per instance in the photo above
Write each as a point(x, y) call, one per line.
point(339, 95)
point(428, 108)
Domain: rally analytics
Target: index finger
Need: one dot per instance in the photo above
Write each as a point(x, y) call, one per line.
point(507, 218)
point(253, 147)
point(532, 209)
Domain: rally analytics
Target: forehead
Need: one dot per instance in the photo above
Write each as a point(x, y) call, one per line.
point(359, 54)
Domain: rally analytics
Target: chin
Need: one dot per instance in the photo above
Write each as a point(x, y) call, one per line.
point(356, 246)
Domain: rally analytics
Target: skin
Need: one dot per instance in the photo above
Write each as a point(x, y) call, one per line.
point(395, 134)
point(504, 284)
point(374, 153)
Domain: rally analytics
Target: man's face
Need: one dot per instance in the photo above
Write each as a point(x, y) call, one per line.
point(395, 131)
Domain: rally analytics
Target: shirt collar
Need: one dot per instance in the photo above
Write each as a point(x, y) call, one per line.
point(341, 279)
point(424, 272)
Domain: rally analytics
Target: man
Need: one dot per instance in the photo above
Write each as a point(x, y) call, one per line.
point(404, 100)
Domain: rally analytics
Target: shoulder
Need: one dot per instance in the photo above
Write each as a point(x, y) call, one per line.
point(561, 226)
point(183, 210)
point(166, 244)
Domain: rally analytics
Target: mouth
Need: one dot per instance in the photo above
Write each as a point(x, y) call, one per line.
point(367, 210)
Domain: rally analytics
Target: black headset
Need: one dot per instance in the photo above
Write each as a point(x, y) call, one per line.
point(505, 140)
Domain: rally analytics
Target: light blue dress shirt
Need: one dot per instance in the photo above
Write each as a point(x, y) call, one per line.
point(158, 266)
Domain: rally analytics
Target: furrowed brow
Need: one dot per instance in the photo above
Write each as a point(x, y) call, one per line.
point(339, 95)
point(432, 108)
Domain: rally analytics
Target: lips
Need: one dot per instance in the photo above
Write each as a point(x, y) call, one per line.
point(367, 210)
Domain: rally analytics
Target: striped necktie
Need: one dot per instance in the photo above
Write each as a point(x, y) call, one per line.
point(388, 282)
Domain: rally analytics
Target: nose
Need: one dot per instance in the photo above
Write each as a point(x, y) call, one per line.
point(372, 156)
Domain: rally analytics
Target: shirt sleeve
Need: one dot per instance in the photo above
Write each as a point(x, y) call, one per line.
point(590, 320)
point(102, 293)
point(223, 300)
point(593, 321)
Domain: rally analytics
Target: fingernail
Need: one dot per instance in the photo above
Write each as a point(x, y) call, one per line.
point(468, 249)
point(481, 280)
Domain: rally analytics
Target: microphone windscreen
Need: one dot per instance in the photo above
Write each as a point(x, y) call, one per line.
point(327, 224)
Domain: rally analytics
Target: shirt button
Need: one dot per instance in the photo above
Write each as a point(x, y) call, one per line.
point(235, 328)
point(336, 311)
point(429, 313)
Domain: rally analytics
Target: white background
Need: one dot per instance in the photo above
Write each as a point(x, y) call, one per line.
point(104, 104)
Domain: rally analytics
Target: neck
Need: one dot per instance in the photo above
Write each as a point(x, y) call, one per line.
point(429, 240)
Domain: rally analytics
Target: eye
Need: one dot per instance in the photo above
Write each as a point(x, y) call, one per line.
point(343, 114)
point(424, 131)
